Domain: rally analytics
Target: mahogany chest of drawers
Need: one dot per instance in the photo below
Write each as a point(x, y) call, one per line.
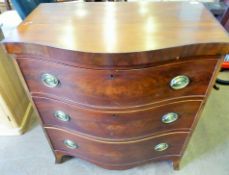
point(119, 84)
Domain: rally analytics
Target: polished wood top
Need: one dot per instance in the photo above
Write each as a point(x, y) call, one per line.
point(119, 27)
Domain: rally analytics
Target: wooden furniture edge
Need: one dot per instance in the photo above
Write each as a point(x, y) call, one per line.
point(12, 93)
point(31, 100)
point(176, 163)
point(60, 155)
point(22, 127)
point(115, 60)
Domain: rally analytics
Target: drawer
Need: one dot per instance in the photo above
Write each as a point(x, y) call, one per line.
point(118, 125)
point(118, 153)
point(116, 88)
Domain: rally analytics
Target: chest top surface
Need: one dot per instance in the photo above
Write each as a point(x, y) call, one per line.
point(120, 27)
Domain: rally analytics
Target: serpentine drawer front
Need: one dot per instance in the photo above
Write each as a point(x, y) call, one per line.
point(113, 124)
point(120, 84)
point(107, 88)
point(117, 154)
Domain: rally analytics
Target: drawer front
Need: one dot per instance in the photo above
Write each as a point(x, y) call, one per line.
point(118, 125)
point(116, 88)
point(117, 152)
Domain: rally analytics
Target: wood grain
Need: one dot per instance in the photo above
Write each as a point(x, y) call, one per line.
point(117, 60)
point(118, 125)
point(108, 88)
point(14, 100)
point(114, 62)
point(119, 27)
point(175, 159)
point(117, 153)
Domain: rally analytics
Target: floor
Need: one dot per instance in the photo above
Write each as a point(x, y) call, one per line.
point(207, 153)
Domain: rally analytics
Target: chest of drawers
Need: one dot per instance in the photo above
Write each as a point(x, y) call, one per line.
point(119, 84)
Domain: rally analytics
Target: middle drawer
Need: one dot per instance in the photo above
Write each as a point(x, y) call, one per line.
point(131, 124)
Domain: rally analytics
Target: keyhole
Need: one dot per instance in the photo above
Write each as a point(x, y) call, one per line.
point(111, 76)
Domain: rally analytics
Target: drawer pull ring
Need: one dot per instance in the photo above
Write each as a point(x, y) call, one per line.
point(60, 115)
point(169, 117)
point(179, 82)
point(50, 80)
point(70, 144)
point(161, 147)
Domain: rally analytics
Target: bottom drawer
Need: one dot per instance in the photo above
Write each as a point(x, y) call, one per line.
point(117, 153)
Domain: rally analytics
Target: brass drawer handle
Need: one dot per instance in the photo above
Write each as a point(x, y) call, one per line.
point(71, 144)
point(62, 116)
point(50, 80)
point(179, 82)
point(161, 147)
point(169, 117)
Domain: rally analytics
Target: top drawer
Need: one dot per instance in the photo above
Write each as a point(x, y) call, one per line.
point(116, 88)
